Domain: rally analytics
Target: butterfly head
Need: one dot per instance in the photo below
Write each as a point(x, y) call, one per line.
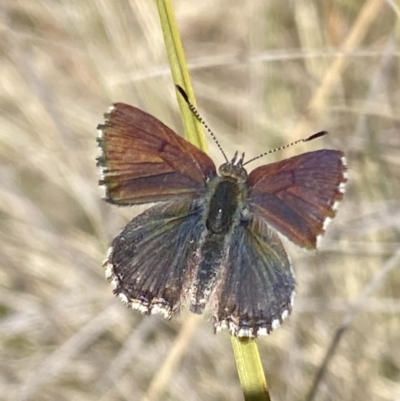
point(234, 168)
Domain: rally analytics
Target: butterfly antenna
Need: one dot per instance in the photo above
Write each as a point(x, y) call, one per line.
point(310, 138)
point(200, 119)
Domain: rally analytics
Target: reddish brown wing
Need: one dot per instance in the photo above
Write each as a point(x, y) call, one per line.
point(144, 161)
point(298, 196)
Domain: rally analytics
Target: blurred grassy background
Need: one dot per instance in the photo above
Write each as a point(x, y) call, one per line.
point(259, 68)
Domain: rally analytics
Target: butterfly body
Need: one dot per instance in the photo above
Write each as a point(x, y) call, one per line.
point(224, 209)
point(210, 239)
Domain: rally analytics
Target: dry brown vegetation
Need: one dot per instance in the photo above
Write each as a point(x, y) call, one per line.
point(259, 68)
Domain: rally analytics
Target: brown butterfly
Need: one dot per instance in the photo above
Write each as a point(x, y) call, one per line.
point(210, 238)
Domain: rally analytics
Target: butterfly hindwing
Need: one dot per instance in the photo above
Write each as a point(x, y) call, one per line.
point(299, 195)
point(144, 161)
point(151, 261)
point(256, 288)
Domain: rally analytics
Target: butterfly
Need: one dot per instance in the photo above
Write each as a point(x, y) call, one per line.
point(211, 237)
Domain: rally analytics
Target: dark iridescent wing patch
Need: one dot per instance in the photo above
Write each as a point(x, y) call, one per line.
point(144, 161)
point(299, 196)
point(256, 290)
point(150, 262)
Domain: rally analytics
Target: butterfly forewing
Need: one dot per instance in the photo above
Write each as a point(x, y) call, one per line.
point(144, 161)
point(151, 261)
point(257, 289)
point(297, 196)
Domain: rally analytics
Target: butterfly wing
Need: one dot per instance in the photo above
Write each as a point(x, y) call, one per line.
point(256, 289)
point(151, 261)
point(144, 161)
point(298, 196)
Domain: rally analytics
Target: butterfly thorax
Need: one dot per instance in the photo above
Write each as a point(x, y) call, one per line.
point(227, 194)
point(223, 206)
